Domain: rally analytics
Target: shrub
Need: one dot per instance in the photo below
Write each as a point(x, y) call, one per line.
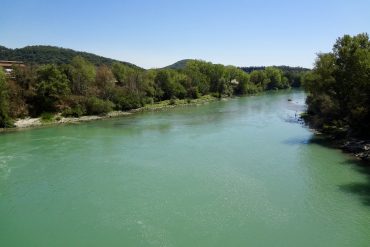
point(47, 117)
point(125, 100)
point(76, 111)
point(193, 93)
point(95, 106)
point(74, 106)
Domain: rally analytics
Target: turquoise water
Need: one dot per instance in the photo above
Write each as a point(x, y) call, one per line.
point(240, 172)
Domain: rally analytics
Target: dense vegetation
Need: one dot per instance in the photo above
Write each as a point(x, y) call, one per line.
point(52, 55)
point(293, 74)
point(82, 88)
point(4, 99)
point(339, 88)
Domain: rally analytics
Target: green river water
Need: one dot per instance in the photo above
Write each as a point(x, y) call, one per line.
point(240, 172)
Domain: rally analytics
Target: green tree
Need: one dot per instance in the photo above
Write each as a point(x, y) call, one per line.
point(105, 82)
point(169, 82)
point(275, 78)
point(52, 85)
point(339, 87)
point(259, 78)
point(120, 72)
point(148, 84)
point(5, 121)
point(82, 74)
point(198, 74)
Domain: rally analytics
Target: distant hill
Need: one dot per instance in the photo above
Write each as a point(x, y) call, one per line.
point(179, 64)
point(41, 54)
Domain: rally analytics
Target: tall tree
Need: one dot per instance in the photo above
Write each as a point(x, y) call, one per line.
point(339, 87)
point(82, 74)
point(105, 82)
point(52, 86)
point(4, 102)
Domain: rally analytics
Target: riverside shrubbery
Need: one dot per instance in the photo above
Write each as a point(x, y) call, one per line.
point(81, 88)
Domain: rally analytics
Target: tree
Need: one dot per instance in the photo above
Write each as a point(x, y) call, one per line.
point(244, 85)
point(5, 121)
point(51, 86)
point(259, 78)
point(169, 82)
point(105, 82)
point(148, 84)
point(339, 87)
point(198, 74)
point(82, 74)
point(275, 78)
point(120, 72)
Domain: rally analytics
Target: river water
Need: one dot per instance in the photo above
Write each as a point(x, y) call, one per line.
point(240, 172)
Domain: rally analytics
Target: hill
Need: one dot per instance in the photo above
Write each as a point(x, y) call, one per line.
point(179, 64)
point(41, 54)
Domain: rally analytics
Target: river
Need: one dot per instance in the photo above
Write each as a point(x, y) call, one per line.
point(239, 172)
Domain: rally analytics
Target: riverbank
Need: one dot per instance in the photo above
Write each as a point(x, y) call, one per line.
point(359, 148)
point(55, 119)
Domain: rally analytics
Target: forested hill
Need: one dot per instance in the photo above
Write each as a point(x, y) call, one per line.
point(41, 54)
point(179, 64)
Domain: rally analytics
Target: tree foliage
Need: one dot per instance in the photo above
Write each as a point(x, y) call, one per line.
point(4, 106)
point(339, 87)
point(52, 85)
point(82, 88)
point(82, 74)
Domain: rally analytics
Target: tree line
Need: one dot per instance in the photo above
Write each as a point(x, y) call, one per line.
point(82, 88)
point(339, 88)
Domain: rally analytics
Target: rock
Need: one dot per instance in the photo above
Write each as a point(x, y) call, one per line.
point(360, 148)
point(364, 155)
point(354, 146)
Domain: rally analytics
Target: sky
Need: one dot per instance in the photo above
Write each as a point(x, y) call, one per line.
point(154, 34)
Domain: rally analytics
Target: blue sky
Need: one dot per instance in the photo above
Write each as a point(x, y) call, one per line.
point(157, 33)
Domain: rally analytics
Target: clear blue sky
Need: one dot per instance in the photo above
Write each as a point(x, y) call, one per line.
point(157, 33)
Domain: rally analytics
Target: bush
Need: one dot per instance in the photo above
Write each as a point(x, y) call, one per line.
point(76, 111)
point(47, 117)
point(95, 106)
point(74, 106)
point(5, 122)
point(125, 100)
point(193, 93)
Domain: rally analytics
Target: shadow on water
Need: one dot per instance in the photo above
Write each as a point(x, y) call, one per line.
point(296, 141)
point(314, 139)
point(361, 189)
